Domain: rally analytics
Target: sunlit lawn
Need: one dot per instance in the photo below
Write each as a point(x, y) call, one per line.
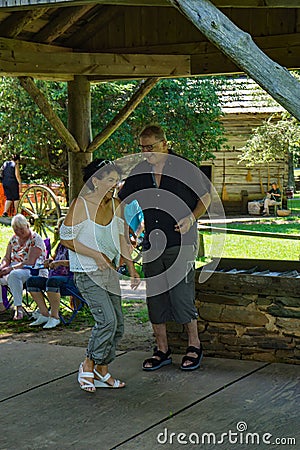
point(241, 246)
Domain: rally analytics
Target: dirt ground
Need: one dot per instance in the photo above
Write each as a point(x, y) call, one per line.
point(138, 334)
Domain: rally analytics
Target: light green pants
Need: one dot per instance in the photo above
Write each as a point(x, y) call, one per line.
point(101, 290)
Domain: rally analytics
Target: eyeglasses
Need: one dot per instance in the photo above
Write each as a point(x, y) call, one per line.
point(105, 162)
point(149, 147)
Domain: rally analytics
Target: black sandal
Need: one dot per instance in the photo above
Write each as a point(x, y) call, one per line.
point(158, 363)
point(195, 361)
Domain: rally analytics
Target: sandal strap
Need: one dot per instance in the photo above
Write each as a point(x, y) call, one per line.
point(163, 356)
point(191, 359)
point(102, 378)
point(86, 375)
point(192, 349)
point(153, 361)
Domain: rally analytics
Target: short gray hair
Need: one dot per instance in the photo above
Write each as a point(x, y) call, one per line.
point(19, 221)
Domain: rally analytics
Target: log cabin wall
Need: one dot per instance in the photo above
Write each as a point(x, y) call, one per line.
point(245, 107)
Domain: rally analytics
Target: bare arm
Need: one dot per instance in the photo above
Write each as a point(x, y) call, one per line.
point(17, 172)
point(75, 216)
point(4, 266)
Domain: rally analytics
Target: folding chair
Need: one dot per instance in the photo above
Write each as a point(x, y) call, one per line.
point(74, 306)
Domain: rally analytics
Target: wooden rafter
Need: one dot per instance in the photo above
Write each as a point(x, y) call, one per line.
point(60, 24)
point(15, 23)
point(106, 16)
point(10, 5)
point(241, 49)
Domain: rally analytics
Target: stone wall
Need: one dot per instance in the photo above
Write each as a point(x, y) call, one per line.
point(246, 317)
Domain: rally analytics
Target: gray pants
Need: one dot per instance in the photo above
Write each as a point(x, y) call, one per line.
point(101, 290)
point(170, 286)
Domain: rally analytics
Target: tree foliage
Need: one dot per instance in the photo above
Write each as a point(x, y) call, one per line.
point(272, 140)
point(24, 130)
point(187, 108)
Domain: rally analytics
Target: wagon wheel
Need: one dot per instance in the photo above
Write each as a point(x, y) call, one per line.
point(41, 208)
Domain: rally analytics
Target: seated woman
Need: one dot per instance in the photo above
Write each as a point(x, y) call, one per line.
point(25, 248)
point(59, 277)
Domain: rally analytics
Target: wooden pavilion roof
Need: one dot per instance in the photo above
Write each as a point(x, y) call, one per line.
point(124, 39)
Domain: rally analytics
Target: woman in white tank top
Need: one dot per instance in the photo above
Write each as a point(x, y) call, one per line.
point(93, 231)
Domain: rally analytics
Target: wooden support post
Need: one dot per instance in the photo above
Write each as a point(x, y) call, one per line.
point(79, 125)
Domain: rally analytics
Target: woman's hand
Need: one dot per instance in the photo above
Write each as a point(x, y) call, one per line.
point(103, 262)
point(135, 278)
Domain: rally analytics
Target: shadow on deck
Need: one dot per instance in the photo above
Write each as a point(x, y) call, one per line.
point(42, 406)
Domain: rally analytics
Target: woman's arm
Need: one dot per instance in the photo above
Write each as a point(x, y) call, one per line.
point(17, 172)
point(5, 263)
point(126, 248)
point(60, 262)
point(76, 215)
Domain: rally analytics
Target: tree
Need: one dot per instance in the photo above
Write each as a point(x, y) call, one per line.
point(188, 108)
point(24, 130)
point(273, 140)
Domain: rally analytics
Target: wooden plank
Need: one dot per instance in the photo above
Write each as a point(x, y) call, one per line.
point(263, 406)
point(147, 399)
point(27, 63)
point(13, 4)
point(15, 45)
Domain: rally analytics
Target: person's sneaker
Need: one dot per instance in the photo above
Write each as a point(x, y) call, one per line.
point(5, 214)
point(36, 314)
point(39, 321)
point(51, 323)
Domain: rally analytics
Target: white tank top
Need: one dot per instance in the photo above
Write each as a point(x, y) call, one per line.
point(104, 238)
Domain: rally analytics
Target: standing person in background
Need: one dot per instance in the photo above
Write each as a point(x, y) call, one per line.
point(11, 180)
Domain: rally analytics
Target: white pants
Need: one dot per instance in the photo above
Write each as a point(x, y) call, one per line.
point(15, 281)
point(268, 202)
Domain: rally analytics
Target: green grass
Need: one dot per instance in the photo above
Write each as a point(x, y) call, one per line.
point(236, 246)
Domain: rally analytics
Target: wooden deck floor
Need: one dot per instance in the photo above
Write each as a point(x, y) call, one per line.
point(42, 406)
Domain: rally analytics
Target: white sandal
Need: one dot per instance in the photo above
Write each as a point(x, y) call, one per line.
point(85, 384)
point(102, 382)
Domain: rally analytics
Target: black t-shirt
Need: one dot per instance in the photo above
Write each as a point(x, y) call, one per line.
point(181, 186)
point(277, 198)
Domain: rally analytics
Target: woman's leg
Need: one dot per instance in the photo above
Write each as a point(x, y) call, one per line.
point(53, 293)
point(101, 346)
point(15, 281)
point(35, 285)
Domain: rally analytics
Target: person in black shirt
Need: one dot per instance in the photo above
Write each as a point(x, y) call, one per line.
point(273, 198)
point(173, 193)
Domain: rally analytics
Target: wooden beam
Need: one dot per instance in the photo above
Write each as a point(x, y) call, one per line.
point(14, 24)
point(14, 45)
point(240, 48)
point(143, 90)
point(23, 63)
point(204, 47)
point(13, 5)
point(40, 99)
point(59, 25)
point(105, 15)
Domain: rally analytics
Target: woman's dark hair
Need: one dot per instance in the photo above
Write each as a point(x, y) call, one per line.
point(16, 157)
point(98, 168)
